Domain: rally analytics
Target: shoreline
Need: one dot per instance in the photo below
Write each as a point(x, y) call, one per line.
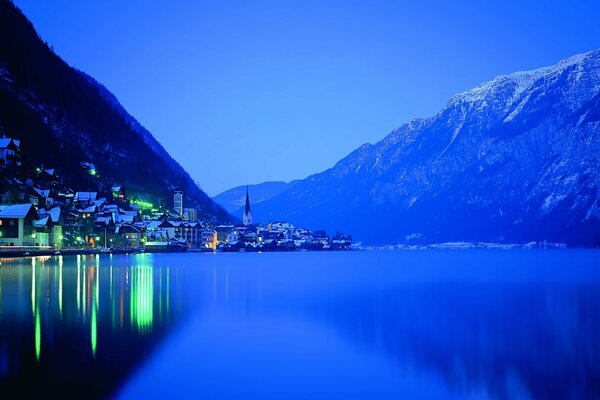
point(65, 252)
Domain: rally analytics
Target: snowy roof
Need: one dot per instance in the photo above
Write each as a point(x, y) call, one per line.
point(90, 209)
point(49, 171)
point(124, 228)
point(16, 210)
point(103, 220)
point(116, 188)
point(55, 214)
point(42, 192)
point(85, 196)
point(100, 202)
point(41, 222)
point(153, 224)
point(5, 142)
point(127, 217)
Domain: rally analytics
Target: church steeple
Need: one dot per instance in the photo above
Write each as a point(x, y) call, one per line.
point(247, 213)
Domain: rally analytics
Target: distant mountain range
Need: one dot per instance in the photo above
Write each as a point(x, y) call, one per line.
point(233, 200)
point(64, 117)
point(515, 159)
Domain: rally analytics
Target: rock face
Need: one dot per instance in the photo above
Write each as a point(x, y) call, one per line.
point(64, 117)
point(515, 159)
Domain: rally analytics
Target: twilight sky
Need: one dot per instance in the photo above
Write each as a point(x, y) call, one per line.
point(248, 91)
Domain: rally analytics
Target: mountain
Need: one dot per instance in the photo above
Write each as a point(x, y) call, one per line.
point(515, 159)
point(64, 117)
point(233, 200)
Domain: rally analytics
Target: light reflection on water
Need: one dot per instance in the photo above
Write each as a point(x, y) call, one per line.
point(498, 324)
point(85, 311)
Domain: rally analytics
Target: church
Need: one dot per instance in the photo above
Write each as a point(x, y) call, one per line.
point(247, 219)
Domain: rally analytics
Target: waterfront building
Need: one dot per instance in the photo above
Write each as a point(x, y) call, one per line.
point(16, 224)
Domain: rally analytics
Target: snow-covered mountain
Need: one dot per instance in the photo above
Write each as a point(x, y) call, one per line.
point(514, 159)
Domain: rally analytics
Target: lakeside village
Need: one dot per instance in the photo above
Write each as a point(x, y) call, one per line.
point(51, 218)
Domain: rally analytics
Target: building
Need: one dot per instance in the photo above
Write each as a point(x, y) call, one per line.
point(9, 151)
point(178, 202)
point(190, 214)
point(16, 225)
point(84, 199)
point(130, 235)
point(222, 232)
point(209, 238)
point(247, 212)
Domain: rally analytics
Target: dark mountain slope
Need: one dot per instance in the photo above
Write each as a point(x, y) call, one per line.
point(64, 117)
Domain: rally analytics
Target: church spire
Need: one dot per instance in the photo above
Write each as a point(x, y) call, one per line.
point(247, 213)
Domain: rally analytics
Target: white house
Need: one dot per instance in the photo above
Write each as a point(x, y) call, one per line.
point(16, 225)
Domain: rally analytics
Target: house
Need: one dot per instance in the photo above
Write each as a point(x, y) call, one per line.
point(320, 237)
point(84, 199)
point(40, 197)
point(190, 214)
point(222, 232)
point(9, 151)
point(189, 232)
point(233, 236)
point(41, 234)
point(341, 241)
point(118, 192)
point(16, 225)
point(130, 235)
point(208, 238)
point(47, 178)
point(53, 225)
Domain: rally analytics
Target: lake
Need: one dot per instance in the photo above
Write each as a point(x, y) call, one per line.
point(319, 325)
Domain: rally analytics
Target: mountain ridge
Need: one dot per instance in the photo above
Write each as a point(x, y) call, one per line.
point(233, 200)
point(442, 178)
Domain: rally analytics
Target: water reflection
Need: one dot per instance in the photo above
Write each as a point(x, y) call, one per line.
point(83, 308)
point(303, 325)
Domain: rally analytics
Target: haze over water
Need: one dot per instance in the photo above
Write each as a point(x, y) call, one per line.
point(472, 323)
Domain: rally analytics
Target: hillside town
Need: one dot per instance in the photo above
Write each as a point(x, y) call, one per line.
point(42, 213)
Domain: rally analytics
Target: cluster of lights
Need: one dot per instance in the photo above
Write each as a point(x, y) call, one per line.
point(143, 204)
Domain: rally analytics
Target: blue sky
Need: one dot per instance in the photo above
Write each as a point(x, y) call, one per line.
point(248, 91)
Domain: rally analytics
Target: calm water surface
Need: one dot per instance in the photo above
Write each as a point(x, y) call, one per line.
point(411, 324)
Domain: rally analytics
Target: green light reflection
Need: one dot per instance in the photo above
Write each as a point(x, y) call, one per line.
point(141, 299)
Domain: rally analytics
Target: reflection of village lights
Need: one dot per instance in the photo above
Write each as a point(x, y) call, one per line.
point(60, 290)
point(141, 300)
point(78, 284)
point(94, 331)
point(38, 337)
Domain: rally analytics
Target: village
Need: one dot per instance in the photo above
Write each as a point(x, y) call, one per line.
point(44, 215)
